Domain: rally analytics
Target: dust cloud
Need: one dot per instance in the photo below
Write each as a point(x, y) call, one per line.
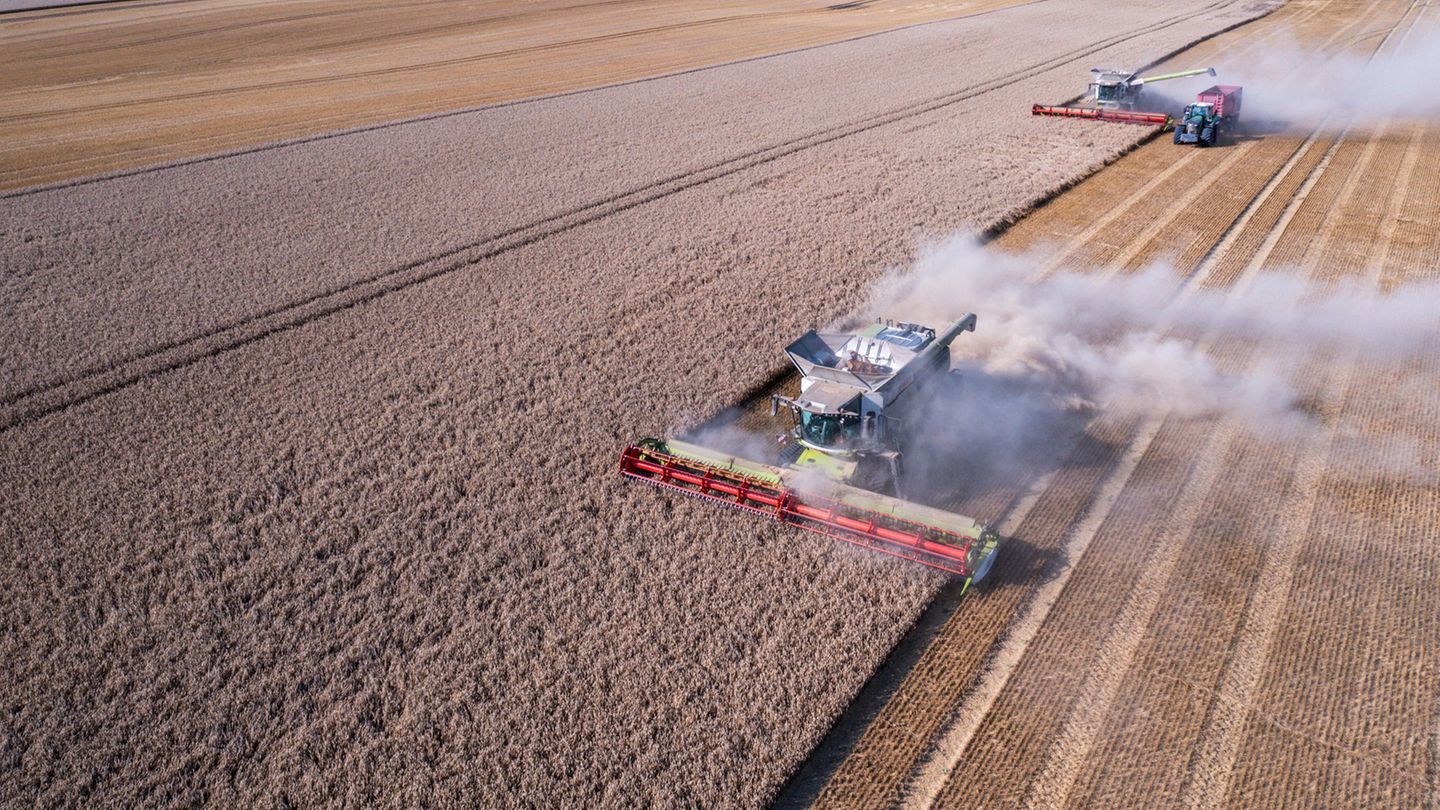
point(1288, 85)
point(1049, 353)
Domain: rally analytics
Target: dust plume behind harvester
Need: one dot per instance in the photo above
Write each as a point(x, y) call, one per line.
point(837, 468)
point(1114, 94)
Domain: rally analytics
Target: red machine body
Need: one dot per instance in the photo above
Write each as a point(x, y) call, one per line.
point(927, 545)
point(1151, 119)
point(1225, 97)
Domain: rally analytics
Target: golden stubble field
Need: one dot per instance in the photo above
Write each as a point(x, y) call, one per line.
point(100, 88)
point(1199, 616)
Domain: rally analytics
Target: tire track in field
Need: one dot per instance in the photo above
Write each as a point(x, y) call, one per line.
point(953, 742)
point(1354, 707)
point(1071, 751)
point(970, 716)
point(1010, 648)
point(93, 6)
point(1116, 213)
point(1207, 261)
point(37, 401)
point(1212, 764)
point(1016, 518)
point(284, 135)
point(1018, 75)
point(374, 73)
point(1077, 737)
point(1069, 754)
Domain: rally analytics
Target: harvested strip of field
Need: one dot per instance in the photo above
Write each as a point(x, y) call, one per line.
point(1111, 701)
point(383, 542)
point(101, 88)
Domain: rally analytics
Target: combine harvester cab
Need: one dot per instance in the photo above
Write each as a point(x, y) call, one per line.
point(843, 446)
point(1213, 112)
point(1114, 94)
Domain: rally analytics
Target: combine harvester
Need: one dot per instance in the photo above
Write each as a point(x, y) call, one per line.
point(843, 447)
point(1214, 111)
point(1113, 96)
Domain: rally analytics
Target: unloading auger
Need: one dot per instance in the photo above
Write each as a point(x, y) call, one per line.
point(844, 446)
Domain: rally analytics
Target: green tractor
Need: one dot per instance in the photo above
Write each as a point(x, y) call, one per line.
point(1213, 111)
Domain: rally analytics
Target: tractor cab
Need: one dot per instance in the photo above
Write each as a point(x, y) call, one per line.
point(1199, 112)
point(837, 419)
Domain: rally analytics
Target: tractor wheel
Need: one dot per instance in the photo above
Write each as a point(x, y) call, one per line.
point(1207, 136)
point(1178, 130)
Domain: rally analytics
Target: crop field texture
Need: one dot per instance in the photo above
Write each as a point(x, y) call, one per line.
point(309, 451)
point(1196, 617)
point(112, 86)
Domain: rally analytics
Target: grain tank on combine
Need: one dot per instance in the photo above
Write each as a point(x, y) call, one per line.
point(1213, 112)
point(1114, 94)
point(837, 468)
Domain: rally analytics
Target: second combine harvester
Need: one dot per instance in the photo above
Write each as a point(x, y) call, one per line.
point(1113, 95)
point(842, 449)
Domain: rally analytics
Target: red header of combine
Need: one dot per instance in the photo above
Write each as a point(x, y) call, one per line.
point(927, 545)
point(1153, 119)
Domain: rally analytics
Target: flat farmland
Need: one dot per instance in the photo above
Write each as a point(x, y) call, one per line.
point(1202, 616)
point(116, 85)
point(309, 450)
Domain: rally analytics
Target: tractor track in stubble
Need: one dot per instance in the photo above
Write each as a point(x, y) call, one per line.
point(1205, 265)
point(37, 401)
point(1253, 267)
point(1242, 669)
point(1219, 743)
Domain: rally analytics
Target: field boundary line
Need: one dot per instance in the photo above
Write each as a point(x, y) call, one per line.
point(1213, 760)
point(935, 770)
